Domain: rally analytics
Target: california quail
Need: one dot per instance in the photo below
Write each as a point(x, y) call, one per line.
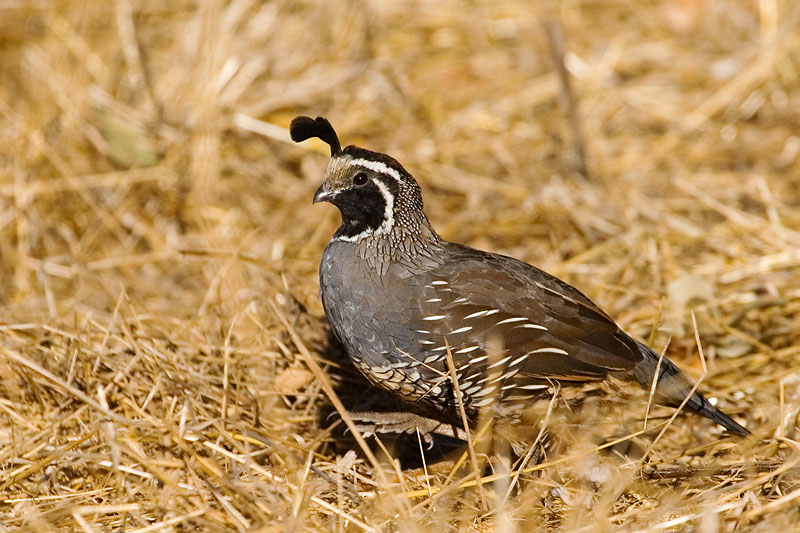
point(399, 297)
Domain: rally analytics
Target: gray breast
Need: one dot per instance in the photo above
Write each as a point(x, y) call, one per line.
point(368, 311)
point(370, 308)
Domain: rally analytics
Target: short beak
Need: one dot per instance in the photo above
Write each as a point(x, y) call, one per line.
point(321, 195)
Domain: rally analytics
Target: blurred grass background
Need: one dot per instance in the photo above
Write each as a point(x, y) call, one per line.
point(156, 225)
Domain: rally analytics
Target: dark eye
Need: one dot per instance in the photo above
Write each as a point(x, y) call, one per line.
point(360, 179)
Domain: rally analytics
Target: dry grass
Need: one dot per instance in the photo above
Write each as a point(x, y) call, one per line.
point(156, 231)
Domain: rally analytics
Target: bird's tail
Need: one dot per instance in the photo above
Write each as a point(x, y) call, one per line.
point(673, 386)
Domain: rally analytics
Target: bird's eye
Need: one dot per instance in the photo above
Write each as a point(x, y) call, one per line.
point(360, 179)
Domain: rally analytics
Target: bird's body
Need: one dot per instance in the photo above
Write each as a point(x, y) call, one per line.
point(400, 298)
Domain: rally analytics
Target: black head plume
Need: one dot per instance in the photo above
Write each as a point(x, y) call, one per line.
point(303, 128)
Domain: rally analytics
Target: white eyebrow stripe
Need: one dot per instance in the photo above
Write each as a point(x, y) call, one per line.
point(377, 166)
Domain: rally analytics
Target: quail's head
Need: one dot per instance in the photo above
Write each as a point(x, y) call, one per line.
point(373, 191)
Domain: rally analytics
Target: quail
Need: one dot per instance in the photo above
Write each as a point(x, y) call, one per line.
point(401, 299)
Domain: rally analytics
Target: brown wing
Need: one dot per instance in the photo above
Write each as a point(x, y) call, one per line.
point(548, 329)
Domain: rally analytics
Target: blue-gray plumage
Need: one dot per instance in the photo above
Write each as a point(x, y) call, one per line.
point(398, 297)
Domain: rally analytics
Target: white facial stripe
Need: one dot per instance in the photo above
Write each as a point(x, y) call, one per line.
point(388, 214)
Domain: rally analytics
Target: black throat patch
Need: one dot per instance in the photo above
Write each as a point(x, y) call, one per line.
point(363, 209)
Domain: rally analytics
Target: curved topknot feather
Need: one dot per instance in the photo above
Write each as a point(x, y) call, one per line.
point(303, 128)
